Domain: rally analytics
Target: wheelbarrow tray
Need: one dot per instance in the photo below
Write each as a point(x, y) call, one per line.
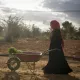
point(29, 56)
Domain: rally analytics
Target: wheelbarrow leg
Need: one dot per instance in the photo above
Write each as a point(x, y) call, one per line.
point(32, 69)
point(33, 77)
point(34, 65)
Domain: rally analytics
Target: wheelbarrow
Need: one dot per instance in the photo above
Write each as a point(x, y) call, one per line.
point(15, 60)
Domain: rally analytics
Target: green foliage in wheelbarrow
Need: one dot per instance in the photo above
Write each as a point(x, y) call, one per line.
point(13, 50)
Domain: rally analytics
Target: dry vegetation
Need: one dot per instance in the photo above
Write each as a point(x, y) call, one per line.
point(71, 47)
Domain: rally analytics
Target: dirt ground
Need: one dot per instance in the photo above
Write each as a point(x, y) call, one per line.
point(72, 47)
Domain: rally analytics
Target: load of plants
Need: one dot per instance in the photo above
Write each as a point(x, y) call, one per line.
point(13, 50)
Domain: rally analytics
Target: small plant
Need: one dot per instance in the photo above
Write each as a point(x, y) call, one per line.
point(13, 50)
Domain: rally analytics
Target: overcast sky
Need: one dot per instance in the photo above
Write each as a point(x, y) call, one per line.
point(41, 12)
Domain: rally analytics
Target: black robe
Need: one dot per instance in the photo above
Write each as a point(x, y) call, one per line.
point(57, 63)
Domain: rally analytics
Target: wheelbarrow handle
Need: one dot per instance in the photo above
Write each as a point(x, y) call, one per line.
point(54, 50)
point(50, 50)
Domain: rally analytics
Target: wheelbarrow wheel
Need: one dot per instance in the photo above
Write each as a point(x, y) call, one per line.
point(13, 63)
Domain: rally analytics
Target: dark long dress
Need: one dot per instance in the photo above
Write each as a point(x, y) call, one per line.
point(57, 63)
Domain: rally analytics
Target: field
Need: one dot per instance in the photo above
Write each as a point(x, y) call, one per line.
point(72, 47)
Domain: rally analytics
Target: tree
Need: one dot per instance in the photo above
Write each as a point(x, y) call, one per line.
point(1, 30)
point(25, 32)
point(77, 34)
point(35, 31)
point(13, 29)
point(68, 30)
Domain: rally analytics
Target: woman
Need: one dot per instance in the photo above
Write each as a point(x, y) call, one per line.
point(57, 63)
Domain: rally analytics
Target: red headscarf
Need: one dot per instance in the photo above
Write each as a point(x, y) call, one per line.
point(55, 24)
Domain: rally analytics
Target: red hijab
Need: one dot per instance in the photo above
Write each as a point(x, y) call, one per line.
point(55, 24)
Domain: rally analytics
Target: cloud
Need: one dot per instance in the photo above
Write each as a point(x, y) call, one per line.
point(43, 16)
point(46, 15)
point(69, 7)
point(6, 9)
point(39, 16)
point(62, 4)
point(1, 2)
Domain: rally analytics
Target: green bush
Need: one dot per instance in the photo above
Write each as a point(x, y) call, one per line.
point(13, 50)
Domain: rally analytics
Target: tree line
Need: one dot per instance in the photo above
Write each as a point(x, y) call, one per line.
point(13, 28)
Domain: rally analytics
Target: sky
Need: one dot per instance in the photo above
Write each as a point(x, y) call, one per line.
point(41, 12)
